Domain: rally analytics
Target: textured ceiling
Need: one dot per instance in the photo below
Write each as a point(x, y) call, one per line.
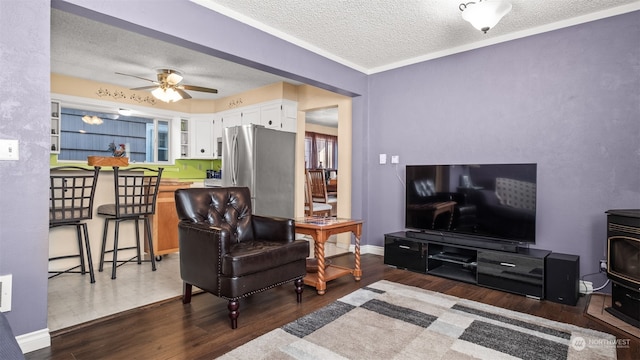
point(376, 35)
point(367, 35)
point(92, 50)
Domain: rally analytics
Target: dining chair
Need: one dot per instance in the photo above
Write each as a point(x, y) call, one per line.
point(71, 193)
point(319, 188)
point(313, 208)
point(136, 191)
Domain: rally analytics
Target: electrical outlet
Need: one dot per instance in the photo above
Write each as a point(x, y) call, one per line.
point(586, 287)
point(603, 265)
point(5, 293)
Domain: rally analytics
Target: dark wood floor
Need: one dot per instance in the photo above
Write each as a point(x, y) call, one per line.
point(200, 330)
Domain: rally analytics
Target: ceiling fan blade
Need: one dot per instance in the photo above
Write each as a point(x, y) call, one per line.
point(183, 93)
point(145, 87)
point(198, 88)
point(138, 77)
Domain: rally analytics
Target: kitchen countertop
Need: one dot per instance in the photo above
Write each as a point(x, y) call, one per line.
point(212, 182)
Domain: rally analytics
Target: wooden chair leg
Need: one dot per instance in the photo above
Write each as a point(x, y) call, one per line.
point(299, 288)
point(233, 312)
point(186, 293)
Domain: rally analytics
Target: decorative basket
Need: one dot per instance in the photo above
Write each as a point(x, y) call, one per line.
point(107, 161)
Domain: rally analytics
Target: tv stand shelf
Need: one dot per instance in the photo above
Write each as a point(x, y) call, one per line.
point(518, 270)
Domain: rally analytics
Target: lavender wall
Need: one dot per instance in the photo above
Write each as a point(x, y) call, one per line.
point(24, 115)
point(568, 100)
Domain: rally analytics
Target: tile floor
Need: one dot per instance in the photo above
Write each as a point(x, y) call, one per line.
point(73, 300)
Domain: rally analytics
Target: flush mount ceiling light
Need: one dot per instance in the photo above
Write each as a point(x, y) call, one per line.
point(92, 120)
point(484, 15)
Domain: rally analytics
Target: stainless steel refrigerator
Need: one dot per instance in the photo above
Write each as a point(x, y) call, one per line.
point(264, 161)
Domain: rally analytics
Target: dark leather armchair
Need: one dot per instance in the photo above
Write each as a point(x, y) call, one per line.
point(230, 253)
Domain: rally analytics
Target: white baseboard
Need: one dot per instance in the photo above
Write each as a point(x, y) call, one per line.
point(368, 249)
point(33, 341)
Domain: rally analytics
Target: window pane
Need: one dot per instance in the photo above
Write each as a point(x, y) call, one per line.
point(135, 134)
point(307, 152)
point(163, 140)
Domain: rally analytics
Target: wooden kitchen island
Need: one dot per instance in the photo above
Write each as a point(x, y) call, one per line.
point(164, 224)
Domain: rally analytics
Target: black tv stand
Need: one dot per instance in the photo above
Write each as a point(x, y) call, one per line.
point(519, 270)
point(473, 241)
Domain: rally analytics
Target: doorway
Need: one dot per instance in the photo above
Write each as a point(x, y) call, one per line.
point(315, 102)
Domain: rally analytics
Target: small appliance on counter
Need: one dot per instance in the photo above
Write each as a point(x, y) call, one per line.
point(214, 178)
point(214, 174)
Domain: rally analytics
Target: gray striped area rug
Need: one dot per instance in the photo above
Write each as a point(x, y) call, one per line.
point(387, 320)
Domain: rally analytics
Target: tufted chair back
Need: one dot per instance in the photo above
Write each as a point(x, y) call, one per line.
point(226, 208)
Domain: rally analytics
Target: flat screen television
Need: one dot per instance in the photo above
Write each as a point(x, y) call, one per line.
point(487, 202)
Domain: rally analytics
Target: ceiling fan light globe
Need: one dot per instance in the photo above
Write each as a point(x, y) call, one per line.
point(174, 78)
point(484, 15)
point(166, 94)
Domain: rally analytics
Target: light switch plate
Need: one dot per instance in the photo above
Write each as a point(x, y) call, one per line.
point(383, 159)
point(8, 149)
point(395, 159)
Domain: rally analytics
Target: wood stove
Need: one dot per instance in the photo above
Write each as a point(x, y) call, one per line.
point(623, 264)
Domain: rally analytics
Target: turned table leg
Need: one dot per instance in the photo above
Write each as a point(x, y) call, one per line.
point(357, 271)
point(321, 285)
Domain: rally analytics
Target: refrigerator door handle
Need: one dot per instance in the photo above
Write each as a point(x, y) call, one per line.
point(234, 162)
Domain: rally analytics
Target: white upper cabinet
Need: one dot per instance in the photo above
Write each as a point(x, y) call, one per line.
point(206, 131)
point(278, 114)
point(251, 115)
point(201, 128)
point(271, 116)
point(231, 118)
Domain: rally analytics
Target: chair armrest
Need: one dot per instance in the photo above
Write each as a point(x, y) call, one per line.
point(201, 247)
point(273, 228)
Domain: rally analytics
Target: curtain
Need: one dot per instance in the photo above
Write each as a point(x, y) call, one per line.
point(321, 151)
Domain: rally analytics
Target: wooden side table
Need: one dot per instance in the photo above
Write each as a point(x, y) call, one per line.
point(320, 229)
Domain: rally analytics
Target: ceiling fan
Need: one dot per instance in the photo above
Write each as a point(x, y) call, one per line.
point(168, 88)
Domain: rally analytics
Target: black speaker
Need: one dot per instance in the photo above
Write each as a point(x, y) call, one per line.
point(562, 273)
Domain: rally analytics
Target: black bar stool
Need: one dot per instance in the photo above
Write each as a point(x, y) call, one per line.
point(71, 190)
point(136, 190)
